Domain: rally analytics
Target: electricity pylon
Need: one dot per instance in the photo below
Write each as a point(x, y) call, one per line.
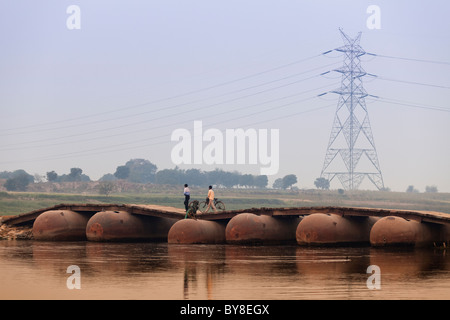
point(351, 135)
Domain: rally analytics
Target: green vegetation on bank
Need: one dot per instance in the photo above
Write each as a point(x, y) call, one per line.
point(21, 202)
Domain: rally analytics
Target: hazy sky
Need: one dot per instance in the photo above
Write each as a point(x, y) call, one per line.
point(116, 86)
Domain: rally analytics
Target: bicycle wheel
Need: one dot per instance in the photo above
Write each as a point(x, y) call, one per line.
point(220, 206)
point(203, 207)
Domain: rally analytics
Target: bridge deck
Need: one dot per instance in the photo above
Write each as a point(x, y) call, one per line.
point(422, 216)
point(176, 213)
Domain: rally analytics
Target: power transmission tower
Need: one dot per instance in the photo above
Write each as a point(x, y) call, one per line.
point(351, 136)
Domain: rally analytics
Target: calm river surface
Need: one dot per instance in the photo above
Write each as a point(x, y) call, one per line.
point(38, 270)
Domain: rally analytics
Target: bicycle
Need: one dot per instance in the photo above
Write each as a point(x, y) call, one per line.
point(192, 210)
point(203, 205)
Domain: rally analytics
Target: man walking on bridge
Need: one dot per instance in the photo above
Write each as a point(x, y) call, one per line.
point(187, 196)
point(211, 200)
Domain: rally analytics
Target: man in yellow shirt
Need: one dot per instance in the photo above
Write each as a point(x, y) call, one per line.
point(211, 199)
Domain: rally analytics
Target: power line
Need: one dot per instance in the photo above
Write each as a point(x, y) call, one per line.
point(409, 59)
point(125, 146)
point(412, 104)
point(189, 110)
point(228, 111)
point(215, 86)
point(178, 95)
point(94, 151)
point(415, 83)
point(165, 108)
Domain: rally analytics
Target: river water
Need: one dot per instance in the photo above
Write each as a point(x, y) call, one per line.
point(39, 270)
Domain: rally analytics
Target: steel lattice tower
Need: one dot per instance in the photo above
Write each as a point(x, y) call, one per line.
point(351, 136)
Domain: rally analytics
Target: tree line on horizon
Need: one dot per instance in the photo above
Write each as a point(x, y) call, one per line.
point(143, 171)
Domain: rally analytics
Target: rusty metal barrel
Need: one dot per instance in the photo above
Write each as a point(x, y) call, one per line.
point(60, 225)
point(395, 231)
point(197, 231)
point(252, 228)
point(332, 229)
point(124, 226)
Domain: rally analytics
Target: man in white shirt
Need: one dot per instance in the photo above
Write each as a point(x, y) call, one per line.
point(187, 196)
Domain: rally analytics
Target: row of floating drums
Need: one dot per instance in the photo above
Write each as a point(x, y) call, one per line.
point(244, 228)
point(67, 225)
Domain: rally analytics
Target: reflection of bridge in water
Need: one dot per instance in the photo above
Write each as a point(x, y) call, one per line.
point(305, 225)
point(149, 270)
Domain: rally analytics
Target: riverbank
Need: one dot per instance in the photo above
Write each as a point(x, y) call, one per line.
point(16, 233)
point(12, 203)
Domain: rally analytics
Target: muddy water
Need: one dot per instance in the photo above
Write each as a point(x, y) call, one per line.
point(38, 270)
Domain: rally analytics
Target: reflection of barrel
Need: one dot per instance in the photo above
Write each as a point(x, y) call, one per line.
point(444, 241)
point(405, 262)
point(131, 259)
point(124, 226)
point(196, 231)
point(330, 262)
point(251, 228)
point(393, 230)
point(60, 225)
point(331, 229)
point(269, 260)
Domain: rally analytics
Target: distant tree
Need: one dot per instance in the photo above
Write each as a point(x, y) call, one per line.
point(108, 177)
point(5, 175)
point(246, 180)
point(52, 176)
point(289, 180)
point(322, 183)
point(141, 171)
point(214, 177)
point(431, 189)
point(38, 178)
point(122, 172)
point(261, 181)
point(194, 177)
point(229, 179)
point(278, 183)
point(169, 176)
point(75, 174)
point(411, 189)
point(16, 184)
point(18, 181)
